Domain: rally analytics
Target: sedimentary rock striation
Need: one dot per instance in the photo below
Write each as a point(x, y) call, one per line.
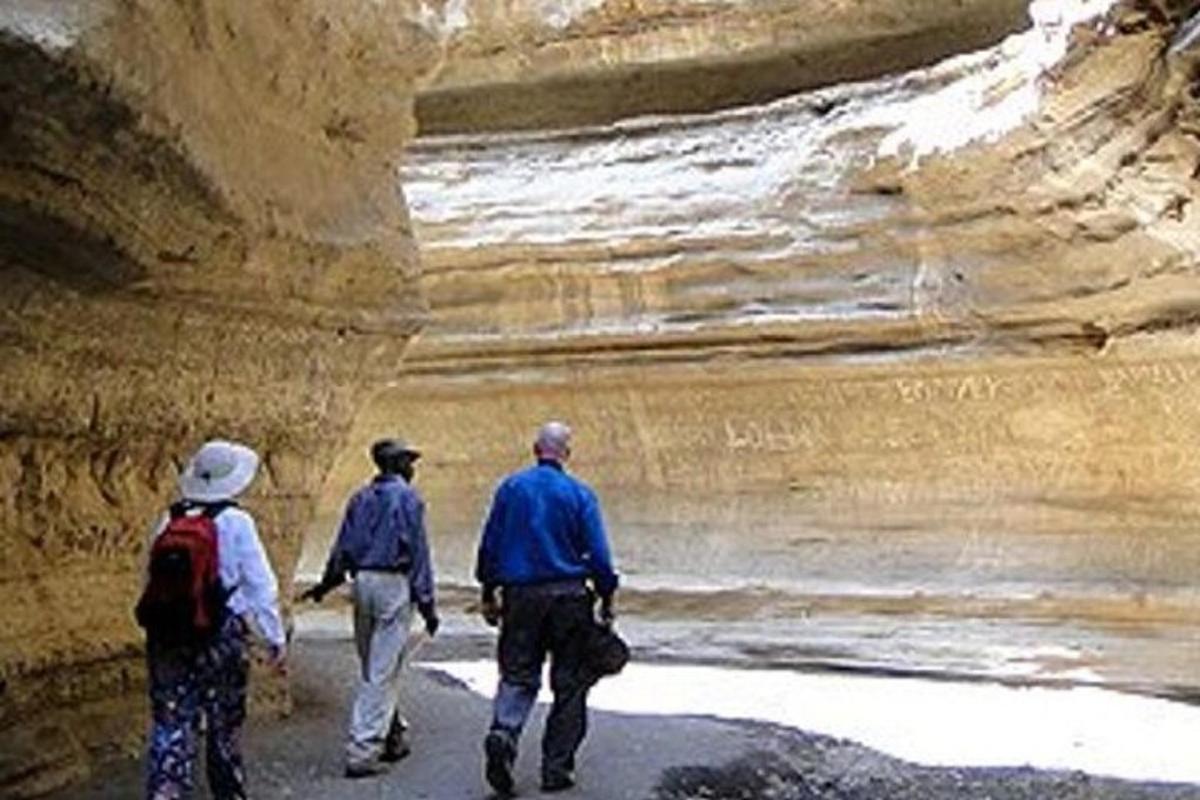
point(536, 65)
point(200, 235)
point(922, 346)
point(840, 343)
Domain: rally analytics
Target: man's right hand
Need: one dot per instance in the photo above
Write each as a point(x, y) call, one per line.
point(607, 615)
point(428, 612)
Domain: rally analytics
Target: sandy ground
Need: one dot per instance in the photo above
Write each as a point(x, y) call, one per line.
point(625, 756)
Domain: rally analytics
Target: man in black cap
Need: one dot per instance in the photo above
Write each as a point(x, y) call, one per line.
point(382, 544)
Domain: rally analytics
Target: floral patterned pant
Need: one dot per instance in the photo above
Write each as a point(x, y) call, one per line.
point(188, 685)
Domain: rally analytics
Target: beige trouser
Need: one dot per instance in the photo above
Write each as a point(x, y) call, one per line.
point(382, 613)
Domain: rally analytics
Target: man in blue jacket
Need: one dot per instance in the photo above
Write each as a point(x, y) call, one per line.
point(545, 550)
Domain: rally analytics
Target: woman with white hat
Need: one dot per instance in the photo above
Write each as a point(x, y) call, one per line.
point(194, 674)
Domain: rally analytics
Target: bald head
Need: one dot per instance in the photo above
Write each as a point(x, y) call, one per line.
point(553, 442)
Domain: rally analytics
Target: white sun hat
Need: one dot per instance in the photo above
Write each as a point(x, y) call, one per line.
point(218, 471)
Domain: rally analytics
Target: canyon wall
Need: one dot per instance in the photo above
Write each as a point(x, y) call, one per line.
point(923, 342)
point(200, 236)
point(921, 348)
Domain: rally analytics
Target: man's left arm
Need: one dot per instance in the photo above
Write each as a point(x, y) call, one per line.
point(421, 575)
point(599, 555)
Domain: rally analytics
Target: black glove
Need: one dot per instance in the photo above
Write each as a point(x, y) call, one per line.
point(429, 613)
point(490, 608)
point(315, 593)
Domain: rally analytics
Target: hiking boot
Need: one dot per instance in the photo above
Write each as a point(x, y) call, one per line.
point(395, 752)
point(557, 781)
point(500, 756)
point(395, 747)
point(366, 769)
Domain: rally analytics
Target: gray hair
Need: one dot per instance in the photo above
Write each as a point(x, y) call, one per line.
point(553, 440)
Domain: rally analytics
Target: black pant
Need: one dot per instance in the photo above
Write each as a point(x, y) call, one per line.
point(549, 618)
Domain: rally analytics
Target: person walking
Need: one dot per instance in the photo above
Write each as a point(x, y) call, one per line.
point(544, 550)
point(208, 580)
point(383, 545)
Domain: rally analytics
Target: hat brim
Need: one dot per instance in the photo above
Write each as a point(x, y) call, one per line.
point(227, 487)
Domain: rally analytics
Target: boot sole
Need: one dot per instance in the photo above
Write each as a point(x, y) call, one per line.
point(499, 764)
point(557, 785)
point(393, 754)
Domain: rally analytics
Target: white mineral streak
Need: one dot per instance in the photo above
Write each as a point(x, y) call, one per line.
point(1188, 36)
point(989, 93)
point(450, 17)
point(929, 722)
point(561, 13)
point(52, 24)
point(771, 177)
point(444, 19)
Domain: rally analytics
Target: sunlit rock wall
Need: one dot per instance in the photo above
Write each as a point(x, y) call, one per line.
point(200, 235)
point(922, 345)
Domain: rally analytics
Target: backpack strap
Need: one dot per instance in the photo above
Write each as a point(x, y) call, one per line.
point(210, 510)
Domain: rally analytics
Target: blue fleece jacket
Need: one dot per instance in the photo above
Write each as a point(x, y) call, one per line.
point(544, 526)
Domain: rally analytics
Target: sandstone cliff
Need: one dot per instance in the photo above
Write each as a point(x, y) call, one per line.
point(834, 344)
point(918, 348)
point(200, 235)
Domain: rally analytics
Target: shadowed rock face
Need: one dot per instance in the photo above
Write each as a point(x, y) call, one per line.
point(200, 236)
point(853, 347)
point(530, 65)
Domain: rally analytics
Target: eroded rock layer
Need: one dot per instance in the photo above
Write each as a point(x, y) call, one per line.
point(921, 347)
point(865, 354)
point(530, 64)
point(200, 236)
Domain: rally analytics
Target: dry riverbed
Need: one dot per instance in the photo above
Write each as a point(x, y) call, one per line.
point(635, 756)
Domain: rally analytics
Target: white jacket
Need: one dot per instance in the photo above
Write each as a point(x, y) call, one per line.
point(245, 572)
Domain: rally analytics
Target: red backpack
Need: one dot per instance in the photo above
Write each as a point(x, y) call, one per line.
point(183, 601)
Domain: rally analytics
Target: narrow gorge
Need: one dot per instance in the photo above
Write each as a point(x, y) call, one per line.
point(876, 319)
point(893, 374)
